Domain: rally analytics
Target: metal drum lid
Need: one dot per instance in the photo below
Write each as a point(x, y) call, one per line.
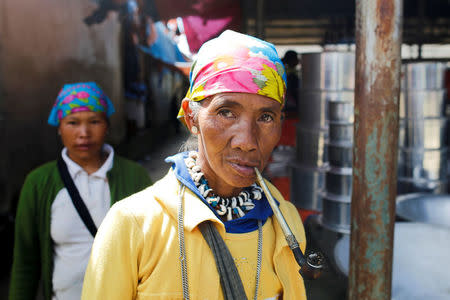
point(306, 186)
point(331, 70)
point(312, 106)
point(424, 208)
point(336, 213)
point(406, 185)
point(282, 156)
point(420, 104)
point(432, 133)
point(420, 265)
point(423, 75)
point(338, 181)
point(341, 111)
point(310, 146)
point(340, 155)
point(340, 132)
point(428, 164)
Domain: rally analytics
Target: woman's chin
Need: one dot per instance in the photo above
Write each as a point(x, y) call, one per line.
point(243, 180)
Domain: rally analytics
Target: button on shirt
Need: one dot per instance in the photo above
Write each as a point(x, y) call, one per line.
point(72, 240)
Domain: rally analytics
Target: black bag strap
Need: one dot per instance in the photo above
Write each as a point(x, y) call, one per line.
point(230, 281)
point(81, 208)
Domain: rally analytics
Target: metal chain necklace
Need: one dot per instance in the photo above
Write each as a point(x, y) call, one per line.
point(183, 257)
point(233, 207)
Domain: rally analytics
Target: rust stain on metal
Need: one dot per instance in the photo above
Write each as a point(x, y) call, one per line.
point(385, 10)
point(375, 148)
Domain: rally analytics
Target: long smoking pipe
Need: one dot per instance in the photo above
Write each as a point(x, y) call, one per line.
point(311, 266)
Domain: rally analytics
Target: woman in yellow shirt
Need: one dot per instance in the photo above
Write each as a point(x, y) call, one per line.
point(206, 230)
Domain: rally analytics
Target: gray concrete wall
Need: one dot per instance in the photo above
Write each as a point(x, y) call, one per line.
point(44, 44)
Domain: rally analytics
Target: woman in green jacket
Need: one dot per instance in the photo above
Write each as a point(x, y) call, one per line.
point(53, 236)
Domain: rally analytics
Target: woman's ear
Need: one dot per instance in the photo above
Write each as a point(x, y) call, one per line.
point(188, 115)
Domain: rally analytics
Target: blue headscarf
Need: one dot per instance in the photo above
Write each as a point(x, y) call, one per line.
point(76, 97)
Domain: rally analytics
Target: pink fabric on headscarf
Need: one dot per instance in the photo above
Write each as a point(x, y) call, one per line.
point(235, 62)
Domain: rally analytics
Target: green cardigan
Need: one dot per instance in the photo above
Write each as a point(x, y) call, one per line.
point(33, 245)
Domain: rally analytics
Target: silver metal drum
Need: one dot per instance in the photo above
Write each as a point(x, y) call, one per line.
point(336, 212)
point(420, 104)
point(282, 156)
point(340, 132)
point(310, 145)
point(425, 164)
point(312, 106)
point(424, 133)
point(328, 71)
point(340, 155)
point(341, 111)
point(423, 75)
point(306, 186)
point(408, 185)
point(424, 208)
point(420, 263)
point(338, 181)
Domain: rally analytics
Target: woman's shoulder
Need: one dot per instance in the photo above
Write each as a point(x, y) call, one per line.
point(43, 172)
point(153, 199)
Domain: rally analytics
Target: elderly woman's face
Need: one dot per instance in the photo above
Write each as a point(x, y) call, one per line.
point(237, 132)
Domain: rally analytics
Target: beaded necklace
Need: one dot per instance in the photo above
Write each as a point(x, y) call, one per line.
point(233, 207)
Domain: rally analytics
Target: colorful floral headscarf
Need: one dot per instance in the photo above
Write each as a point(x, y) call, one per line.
point(76, 97)
point(235, 62)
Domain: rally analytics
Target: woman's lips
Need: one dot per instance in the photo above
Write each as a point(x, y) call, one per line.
point(244, 168)
point(83, 147)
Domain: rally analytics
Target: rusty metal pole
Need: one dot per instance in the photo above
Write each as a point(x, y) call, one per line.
point(378, 62)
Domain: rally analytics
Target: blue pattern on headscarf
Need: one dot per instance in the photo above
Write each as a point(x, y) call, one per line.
point(75, 97)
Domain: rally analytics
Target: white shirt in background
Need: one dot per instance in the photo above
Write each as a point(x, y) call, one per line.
point(72, 240)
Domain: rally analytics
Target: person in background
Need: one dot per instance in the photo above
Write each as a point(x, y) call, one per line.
point(290, 60)
point(206, 230)
point(52, 241)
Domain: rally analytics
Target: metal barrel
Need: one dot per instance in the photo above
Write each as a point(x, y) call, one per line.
point(326, 77)
point(340, 132)
point(341, 111)
point(421, 104)
point(311, 150)
point(431, 133)
point(423, 129)
point(312, 106)
point(336, 212)
point(338, 181)
point(423, 75)
point(422, 164)
point(407, 185)
point(328, 71)
point(307, 184)
point(340, 154)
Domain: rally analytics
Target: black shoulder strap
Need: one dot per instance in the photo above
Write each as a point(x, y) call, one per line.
point(81, 208)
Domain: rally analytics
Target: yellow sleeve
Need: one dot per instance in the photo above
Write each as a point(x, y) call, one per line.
point(112, 272)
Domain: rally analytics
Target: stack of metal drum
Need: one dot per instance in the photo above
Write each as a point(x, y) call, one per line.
point(327, 82)
point(423, 129)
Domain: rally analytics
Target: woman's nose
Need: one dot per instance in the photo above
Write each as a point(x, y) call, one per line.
point(245, 136)
point(84, 130)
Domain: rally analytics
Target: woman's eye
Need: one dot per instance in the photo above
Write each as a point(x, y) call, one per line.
point(266, 118)
point(71, 122)
point(226, 113)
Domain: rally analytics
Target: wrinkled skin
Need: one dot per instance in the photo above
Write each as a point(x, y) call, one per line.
point(237, 132)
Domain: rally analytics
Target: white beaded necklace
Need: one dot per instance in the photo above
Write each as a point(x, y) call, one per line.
point(233, 207)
